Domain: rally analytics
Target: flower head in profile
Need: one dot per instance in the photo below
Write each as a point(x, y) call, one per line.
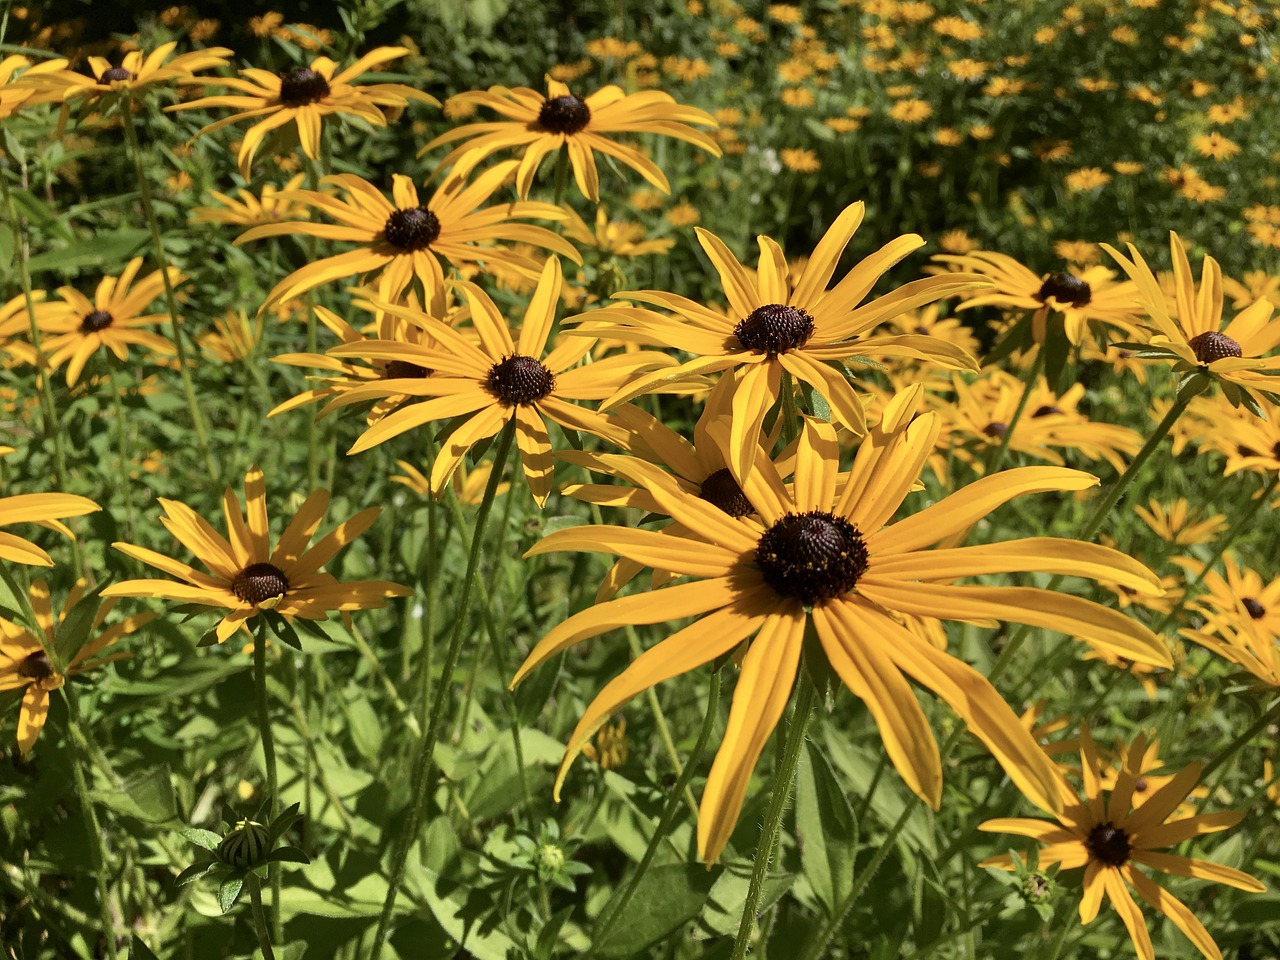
point(137, 71)
point(500, 379)
point(823, 557)
point(30, 658)
point(245, 574)
point(75, 327)
point(776, 324)
point(561, 121)
point(1111, 836)
point(403, 238)
point(1188, 327)
point(305, 96)
point(45, 509)
point(253, 210)
point(21, 83)
point(1082, 297)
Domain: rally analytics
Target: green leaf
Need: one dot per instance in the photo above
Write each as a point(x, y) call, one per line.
point(724, 907)
point(229, 892)
point(147, 797)
point(201, 838)
point(1018, 339)
point(283, 629)
point(103, 251)
point(287, 855)
point(77, 624)
point(366, 729)
point(667, 898)
point(449, 904)
point(824, 828)
point(194, 872)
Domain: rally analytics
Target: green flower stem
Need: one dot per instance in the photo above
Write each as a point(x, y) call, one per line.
point(259, 919)
point(963, 930)
point(561, 178)
point(1223, 544)
point(269, 755)
point(1268, 717)
point(126, 454)
point(660, 720)
point(818, 945)
point(426, 746)
point(1065, 926)
point(171, 301)
point(780, 794)
point(1029, 384)
point(618, 903)
point(97, 843)
point(788, 411)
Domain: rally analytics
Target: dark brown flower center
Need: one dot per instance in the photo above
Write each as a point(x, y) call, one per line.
point(1212, 346)
point(96, 321)
point(811, 556)
point(1256, 610)
point(36, 666)
point(1108, 844)
point(412, 229)
point(1140, 785)
point(1045, 410)
point(721, 490)
point(404, 370)
point(565, 114)
point(997, 428)
point(302, 86)
point(518, 379)
point(774, 328)
point(259, 582)
point(115, 74)
point(1065, 288)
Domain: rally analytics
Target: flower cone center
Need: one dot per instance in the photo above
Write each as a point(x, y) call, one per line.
point(36, 666)
point(412, 229)
point(518, 379)
point(96, 321)
point(114, 75)
point(404, 370)
point(1108, 844)
point(721, 490)
point(565, 114)
point(260, 582)
point(811, 556)
point(996, 428)
point(774, 328)
point(1256, 610)
point(1065, 288)
point(302, 86)
point(1045, 410)
point(1212, 346)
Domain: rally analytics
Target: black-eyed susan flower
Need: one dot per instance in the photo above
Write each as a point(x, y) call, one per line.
point(245, 574)
point(827, 560)
point(30, 659)
point(776, 325)
point(20, 82)
point(137, 71)
point(494, 381)
point(252, 210)
point(542, 125)
point(1188, 327)
point(305, 96)
point(74, 328)
point(45, 509)
point(1181, 524)
point(404, 239)
point(1082, 297)
point(1242, 599)
point(1110, 837)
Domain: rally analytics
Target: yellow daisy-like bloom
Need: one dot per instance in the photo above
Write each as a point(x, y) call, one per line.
point(245, 574)
point(253, 210)
point(1188, 327)
point(305, 96)
point(45, 509)
point(541, 125)
point(26, 89)
point(826, 559)
point(1111, 837)
point(137, 71)
point(620, 238)
point(405, 239)
point(73, 328)
point(1242, 599)
point(30, 660)
point(1080, 296)
point(468, 485)
point(1181, 524)
point(496, 381)
point(798, 327)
